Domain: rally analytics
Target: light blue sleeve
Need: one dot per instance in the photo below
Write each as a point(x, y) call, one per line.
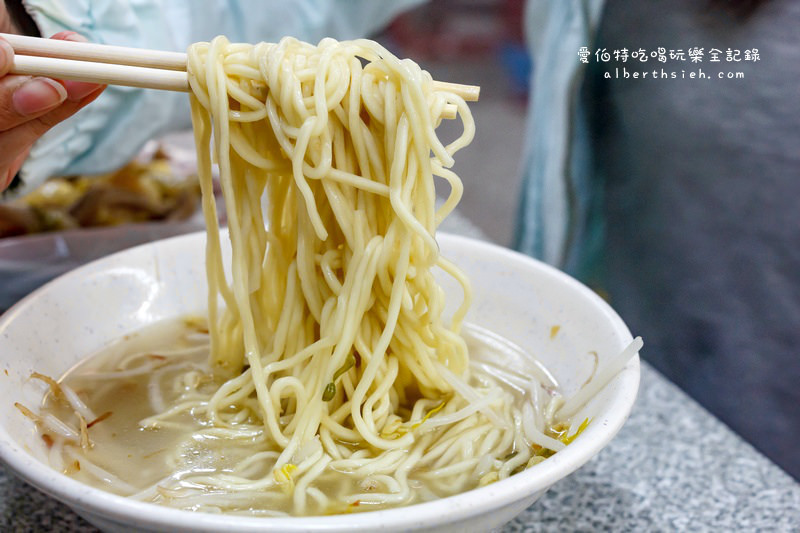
point(556, 221)
point(109, 132)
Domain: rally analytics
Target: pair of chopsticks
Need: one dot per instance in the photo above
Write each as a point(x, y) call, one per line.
point(132, 67)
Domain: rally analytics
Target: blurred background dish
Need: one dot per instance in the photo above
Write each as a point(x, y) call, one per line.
point(69, 221)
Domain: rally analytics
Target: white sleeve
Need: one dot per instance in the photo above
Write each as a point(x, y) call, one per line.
point(556, 183)
point(109, 132)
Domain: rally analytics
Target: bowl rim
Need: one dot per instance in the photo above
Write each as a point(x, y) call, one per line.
point(97, 502)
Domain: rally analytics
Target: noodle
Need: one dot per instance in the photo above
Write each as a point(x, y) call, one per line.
point(333, 382)
point(343, 265)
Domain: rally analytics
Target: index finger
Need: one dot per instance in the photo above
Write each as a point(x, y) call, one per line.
point(6, 57)
point(75, 89)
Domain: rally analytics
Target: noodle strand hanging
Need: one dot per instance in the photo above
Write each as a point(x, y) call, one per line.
point(327, 378)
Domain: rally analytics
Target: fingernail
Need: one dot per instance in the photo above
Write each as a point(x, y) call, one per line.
point(38, 94)
point(77, 90)
point(6, 54)
point(76, 37)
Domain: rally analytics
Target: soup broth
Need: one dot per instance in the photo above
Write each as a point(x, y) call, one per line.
point(147, 434)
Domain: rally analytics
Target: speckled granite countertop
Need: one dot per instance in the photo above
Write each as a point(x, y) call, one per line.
point(672, 467)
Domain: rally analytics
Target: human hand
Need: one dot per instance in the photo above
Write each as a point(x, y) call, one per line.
point(29, 106)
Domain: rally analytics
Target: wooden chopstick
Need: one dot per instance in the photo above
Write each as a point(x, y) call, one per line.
point(95, 53)
point(98, 63)
point(105, 73)
point(132, 67)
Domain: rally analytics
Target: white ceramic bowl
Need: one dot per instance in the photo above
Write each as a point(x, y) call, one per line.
point(515, 296)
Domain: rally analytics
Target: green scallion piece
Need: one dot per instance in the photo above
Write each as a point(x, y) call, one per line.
point(349, 362)
point(330, 388)
point(330, 392)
